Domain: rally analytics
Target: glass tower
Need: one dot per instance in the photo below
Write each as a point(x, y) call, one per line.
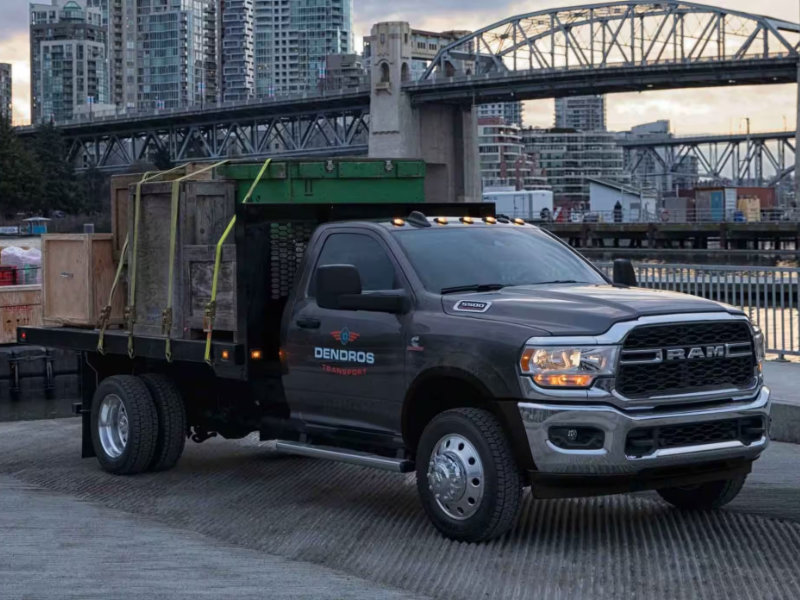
point(69, 67)
point(293, 39)
point(5, 92)
point(176, 53)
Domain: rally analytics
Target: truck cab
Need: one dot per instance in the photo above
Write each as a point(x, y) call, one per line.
point(596, 387)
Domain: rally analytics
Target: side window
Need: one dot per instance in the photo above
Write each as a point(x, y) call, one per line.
point(363, 252)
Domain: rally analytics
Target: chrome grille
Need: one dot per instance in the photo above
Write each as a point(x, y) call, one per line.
point(644, 374)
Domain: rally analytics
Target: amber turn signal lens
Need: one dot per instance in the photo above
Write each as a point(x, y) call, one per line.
point(255, 354)
point(525, 361)
point(226, 355)
point(564, 381)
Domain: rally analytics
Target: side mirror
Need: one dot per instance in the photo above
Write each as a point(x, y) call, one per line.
point(335, 281)
point(391, 301)
point(624, 273)
point(339, 288)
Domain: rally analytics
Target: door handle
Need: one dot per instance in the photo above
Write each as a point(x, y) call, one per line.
point(308, 323)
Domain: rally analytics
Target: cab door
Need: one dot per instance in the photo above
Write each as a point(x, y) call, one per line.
point(346, 368)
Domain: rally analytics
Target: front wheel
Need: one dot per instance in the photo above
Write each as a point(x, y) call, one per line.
point(704, 496)
point(467, 477)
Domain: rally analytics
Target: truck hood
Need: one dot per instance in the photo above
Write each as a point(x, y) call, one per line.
point(575, 309)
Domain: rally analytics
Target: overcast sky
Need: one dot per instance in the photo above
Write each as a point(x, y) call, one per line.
point(770, 108)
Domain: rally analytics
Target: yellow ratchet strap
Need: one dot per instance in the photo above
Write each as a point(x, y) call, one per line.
point(166, 315)
point(211, 307)
point(105, 314)
point(130, 310)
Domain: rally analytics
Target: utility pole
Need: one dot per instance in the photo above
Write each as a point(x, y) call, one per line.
point(797, 139)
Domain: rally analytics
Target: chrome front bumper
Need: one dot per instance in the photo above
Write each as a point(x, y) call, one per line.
point(538, 418)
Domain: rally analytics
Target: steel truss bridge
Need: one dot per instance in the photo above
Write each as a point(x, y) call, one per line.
point(330, 125)
point(612, 47)
point(742, 159)
point(590, 49)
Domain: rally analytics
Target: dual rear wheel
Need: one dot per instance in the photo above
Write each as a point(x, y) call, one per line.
point(138, 424)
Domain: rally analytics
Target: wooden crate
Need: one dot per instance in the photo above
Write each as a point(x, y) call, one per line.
point(77, 273)
point(198, 277)
point(205, 209)
point(122, 190)
point(20, 305)
point(123, 193)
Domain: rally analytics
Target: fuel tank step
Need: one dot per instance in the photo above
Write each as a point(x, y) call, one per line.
point(398, 465)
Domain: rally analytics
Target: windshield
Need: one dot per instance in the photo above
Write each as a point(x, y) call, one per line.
point(485, 258)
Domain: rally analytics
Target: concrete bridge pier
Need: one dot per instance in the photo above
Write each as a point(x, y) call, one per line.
point(443, 135)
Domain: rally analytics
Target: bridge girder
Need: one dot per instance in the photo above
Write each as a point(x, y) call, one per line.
point(615, 34)
point(332, 133)
point(757, 159)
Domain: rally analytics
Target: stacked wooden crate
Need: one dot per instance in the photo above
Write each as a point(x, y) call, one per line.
point(78, 272)
point(205, 209)
point(20, 306)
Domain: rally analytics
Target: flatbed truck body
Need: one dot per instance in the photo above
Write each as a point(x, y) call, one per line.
point(479, 351)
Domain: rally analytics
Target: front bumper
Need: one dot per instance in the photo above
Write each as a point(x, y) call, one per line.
point(613, 458)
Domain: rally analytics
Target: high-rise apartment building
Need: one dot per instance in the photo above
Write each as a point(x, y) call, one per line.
point(583, 113)
point(176, 53)
point(344, 72)
point(568, 159)
point(5, 92)
point(237, 77)
point(69, 71)
point(122, 52)
point(504, 162)
point(293, 39)
point(510, 112)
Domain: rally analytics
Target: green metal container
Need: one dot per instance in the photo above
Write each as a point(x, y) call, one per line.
point(330, 181)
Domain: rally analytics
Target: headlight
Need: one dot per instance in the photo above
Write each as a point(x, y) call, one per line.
point(568, 367)
point(759, 345)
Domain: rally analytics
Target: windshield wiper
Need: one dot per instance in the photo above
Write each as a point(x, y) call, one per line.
point(557, 281)
point(484, 287)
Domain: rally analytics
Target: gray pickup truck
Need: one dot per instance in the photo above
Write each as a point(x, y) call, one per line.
point(478, 351)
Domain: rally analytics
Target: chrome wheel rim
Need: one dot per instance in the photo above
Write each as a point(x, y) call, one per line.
point(113, 426)
point(456, 477)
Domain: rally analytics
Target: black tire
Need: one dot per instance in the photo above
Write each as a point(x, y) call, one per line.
point(705, 496)
point(141, 425)
point(171, 421)
point(497, 511)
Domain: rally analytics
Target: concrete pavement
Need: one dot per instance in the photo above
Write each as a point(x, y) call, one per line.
point(317, 529)
point(54, 546)
point(783, 378)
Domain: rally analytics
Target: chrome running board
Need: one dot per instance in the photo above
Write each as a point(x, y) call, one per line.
point(363, 459)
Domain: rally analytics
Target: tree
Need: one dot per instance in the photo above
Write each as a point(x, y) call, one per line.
point(59, 190)
point(162, 160)
point(93, 191)
point(20, 183)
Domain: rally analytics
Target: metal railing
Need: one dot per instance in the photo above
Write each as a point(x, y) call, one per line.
point(773, 215)
point(770, 296)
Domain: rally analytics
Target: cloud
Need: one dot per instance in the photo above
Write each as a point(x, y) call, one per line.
point(14, 18)
point(15, 50)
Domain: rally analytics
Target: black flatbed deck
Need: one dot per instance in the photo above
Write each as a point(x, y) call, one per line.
point(145, 347)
